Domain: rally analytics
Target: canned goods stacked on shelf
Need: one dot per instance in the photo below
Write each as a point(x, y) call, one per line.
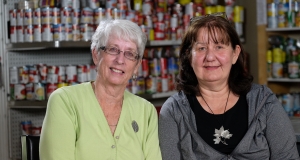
point(37, 82)
point(69, 21)
point(283, 58)
point(290, 103)
point(283, 13)
point(157, 73)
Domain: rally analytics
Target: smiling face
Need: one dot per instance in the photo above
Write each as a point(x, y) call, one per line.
point(115, 70)
point(211, 60)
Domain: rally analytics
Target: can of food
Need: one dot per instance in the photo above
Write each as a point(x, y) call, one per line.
point(23, 72)
point(238, 12)
point(76, 32)
point(28, 17)
point(68, 32)
point(20, 17)
point(13, 34)
point(33, 74)
point(164, 81)
point(66, 15)
point(56, 18)
point(13, 75)
point(281, 22)
point(71, 71)
point(145, 67)
point(61, 74)
point(37, 33)
point(116, 13)
point(99, 15)
point(158, 84)
point(52, 75)
point(147, 7)
point(140, 82)
point(26, 127)
point(76, 14)
point(164, 66)
point(159, 30)
point(20, 34)
point(81, 73)
point(86, 15)
point(51, 87)
point(273, 22)
point(39, 91)
point(151, 85)
point(28, 33)
point(37, 16)
point(19, 91)
point(47, 34)
point(13, 17)
point(272, 9)
point(43, 70)
point(58, 32)
point(46, 15)
point(30, 91)
point(86, 31)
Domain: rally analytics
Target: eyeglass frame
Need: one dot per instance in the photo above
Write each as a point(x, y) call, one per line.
point(217, 14)
point(104, 48)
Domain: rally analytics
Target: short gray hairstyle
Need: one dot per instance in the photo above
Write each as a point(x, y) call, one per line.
point(124, 29)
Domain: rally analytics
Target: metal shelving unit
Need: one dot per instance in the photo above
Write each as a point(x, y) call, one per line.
point(73, 44)
point(296, 80)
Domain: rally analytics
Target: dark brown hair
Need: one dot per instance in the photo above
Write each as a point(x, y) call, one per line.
point(239, 80)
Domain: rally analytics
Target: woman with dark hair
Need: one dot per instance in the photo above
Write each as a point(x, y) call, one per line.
point(218, 113)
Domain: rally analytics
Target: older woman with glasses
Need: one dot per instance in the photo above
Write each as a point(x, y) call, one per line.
point(218, 113)
point(100, 119)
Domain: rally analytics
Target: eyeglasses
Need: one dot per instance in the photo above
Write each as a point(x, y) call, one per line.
point(115, 51)
point(218, 14)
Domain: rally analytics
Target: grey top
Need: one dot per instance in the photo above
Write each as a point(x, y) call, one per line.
point(270, 133)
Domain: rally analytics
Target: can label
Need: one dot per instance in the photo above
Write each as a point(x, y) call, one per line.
point(30, 91)
point(151, 85)
point(20, 34)
point(13, 17)
point(37, 33)
point(26, 127)
point(28, 36)
point(68, 32)
point(56, 18)
point(66, 13)
point(76, 13)
point(23, 74)
point(47, 32)
point(19, 92)
point(13, 34)
point(20, 17)
point(51, 87)
point(81, 73)
point(43, 70)
point(33, 74)
point(37, 16)
point(39, 90)
point(46, 15)
point(86, 15)
point(76, 32)
point(58, 32)
point(71, 73)
point(28, 17)
point(99, 15)
point(13, 75)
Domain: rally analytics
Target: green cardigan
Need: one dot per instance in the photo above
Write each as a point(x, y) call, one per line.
point(75, 128)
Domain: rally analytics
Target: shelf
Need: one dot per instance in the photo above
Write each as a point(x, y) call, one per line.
point(27, 104)
point(283, 29)
point(73, 44)
point(283, 80)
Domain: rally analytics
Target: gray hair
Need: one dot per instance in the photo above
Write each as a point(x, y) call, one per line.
point(123, 29)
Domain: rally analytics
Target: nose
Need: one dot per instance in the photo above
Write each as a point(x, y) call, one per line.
point(209, 55)
point(120, 58)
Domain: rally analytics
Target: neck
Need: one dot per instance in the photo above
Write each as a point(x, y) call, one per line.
point(108, 96)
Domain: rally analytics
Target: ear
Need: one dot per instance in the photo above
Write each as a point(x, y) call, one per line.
point(95, 56)
point(236, 53)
